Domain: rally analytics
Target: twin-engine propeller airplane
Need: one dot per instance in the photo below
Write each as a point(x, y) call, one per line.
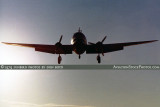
point(79, 46)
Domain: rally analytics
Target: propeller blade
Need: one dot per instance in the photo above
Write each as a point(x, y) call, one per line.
point(91, 43)
point(60, 39)
point(104, 39)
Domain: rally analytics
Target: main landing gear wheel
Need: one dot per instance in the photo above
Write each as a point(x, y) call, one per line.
point(59, 59)
point(79, 56)
point(99, 59)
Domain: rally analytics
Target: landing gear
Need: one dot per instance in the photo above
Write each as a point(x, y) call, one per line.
point(59, 59)
point(99, 58)
point(79, 56)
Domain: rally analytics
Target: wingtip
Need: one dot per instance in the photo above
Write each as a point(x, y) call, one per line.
point(154, 40)
point(3, 42)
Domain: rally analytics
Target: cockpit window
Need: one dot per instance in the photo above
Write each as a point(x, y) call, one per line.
point(79, 35)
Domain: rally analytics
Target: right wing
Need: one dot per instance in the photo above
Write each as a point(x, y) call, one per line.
point(64, 49)
point(91, 49)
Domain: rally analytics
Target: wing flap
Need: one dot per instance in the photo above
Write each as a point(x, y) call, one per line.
point(91, 49)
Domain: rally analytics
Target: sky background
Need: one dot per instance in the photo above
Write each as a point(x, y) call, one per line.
point(43, 21)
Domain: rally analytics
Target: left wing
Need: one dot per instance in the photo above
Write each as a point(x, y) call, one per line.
point(92, 49)
point(63, 49)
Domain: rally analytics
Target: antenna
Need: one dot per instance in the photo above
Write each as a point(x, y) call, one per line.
point(79, 30)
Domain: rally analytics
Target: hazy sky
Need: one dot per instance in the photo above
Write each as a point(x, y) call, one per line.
point(43, 21)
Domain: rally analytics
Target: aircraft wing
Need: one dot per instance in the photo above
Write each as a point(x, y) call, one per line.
point(92, 49)
point(64, 49)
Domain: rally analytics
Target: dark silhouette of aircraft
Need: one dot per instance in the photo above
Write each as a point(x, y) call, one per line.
point(79, 46)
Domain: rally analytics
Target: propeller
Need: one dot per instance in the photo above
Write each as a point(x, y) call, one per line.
point(91, 43)
point(60, 39)
point(104, 39)
point(58, 44)
point(99, 45)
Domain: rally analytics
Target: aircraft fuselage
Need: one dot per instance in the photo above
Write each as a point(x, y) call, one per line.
point(79, 43)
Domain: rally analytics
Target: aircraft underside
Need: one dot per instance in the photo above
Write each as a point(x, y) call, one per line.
point(79, 46)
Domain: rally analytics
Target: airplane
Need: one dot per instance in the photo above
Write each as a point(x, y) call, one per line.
point(79, 46)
